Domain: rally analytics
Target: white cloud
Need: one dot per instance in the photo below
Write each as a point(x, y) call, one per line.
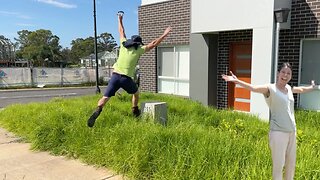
point(58, 4)
point(7, 13)
point(24, 17)
point(15, 14)
point(25, 25)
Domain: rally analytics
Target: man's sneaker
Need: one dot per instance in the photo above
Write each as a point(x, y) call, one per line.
point(94, 116)
point(136, 111)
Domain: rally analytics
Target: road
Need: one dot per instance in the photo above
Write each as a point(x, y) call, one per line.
point(8, 97)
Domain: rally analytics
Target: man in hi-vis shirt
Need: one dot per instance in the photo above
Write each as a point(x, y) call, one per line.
point(124, 68)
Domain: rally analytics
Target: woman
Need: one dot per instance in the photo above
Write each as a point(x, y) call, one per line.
point(282, 135)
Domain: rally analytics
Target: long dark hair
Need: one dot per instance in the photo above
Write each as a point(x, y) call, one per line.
point(285, 65)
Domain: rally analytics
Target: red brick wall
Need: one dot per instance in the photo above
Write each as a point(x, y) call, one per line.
point(153, 20)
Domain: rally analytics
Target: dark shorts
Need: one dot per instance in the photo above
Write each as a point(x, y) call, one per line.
point(118, 81)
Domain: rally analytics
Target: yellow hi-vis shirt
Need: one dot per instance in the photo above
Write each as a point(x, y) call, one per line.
point(128, 59)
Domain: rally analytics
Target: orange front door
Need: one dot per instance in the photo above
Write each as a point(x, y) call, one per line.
point(240, 65)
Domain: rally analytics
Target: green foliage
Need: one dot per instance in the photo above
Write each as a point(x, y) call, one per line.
point(6, 49)
point(38, 45)
point(85, 47)
point(198, 142)
point(106, 42)
point(43, 48)
point(81, 48)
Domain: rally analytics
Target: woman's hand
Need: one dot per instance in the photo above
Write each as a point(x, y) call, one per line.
point(232, 78)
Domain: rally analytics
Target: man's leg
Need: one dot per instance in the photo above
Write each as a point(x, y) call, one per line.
point(135, 100)
point(102, 101)
point(130, 87)
point(112, 87)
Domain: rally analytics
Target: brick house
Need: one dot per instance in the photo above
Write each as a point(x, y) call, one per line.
point(212, 37)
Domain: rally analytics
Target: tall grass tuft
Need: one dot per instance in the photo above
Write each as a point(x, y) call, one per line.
point(198, 142)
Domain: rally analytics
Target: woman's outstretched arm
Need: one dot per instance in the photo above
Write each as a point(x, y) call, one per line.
point(263, 89)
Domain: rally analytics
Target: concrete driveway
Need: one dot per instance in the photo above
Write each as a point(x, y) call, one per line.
point(18, 162)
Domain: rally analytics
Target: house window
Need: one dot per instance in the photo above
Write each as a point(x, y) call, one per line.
point(309, 70)
point(310, 61)
point(173, 70)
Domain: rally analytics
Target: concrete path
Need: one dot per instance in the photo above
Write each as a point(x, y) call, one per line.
point(18, 162)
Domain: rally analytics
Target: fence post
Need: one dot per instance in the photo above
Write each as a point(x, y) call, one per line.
point(32, 77)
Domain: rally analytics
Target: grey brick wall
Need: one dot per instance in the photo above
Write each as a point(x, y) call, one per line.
point(304, 24)
point(305, 15)
point(153, 20)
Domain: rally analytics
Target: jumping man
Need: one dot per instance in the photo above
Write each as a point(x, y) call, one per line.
point(124, 68)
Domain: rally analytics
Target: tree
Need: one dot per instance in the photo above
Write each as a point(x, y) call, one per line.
point(22, 41)
point(81, 48)
point(106, 42)
point(6, 49)
point(42, 48)
point(39, 46)
point(66, 56)
point(84, 47)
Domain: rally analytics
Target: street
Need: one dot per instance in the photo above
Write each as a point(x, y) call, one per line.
point(8, 97)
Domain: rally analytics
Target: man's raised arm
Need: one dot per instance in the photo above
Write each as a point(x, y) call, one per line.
point(157, 41)
point(120, 26)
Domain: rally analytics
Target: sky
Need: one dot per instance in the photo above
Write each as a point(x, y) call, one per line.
point(67, 19)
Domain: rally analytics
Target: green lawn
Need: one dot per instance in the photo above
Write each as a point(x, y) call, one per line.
point(198, 142)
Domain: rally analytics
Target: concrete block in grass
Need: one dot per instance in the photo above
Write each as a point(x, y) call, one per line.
point(157, 111)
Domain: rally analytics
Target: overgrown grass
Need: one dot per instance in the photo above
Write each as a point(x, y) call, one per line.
point(198, 142)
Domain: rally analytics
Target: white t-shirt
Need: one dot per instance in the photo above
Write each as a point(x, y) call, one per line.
point(282, 109)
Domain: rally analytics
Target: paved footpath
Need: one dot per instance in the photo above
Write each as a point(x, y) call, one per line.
point(18, 162)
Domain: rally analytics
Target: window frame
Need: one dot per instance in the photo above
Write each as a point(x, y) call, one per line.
point(176, 79)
